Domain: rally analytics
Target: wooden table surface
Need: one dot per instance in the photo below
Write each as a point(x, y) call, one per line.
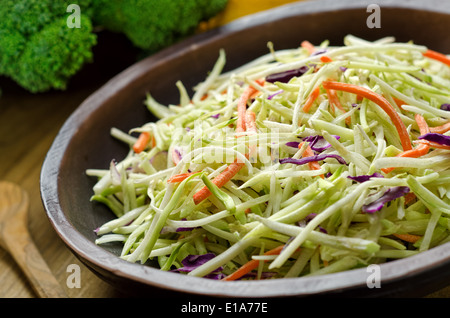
point(28, 125)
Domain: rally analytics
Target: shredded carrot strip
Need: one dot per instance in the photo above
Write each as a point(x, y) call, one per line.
point(242, 107)
point(241, 126)
point(250, 121)
point(437, 56)
point(432, 144)
point(251, 265)
point(335, 102)
point(311, 99)
point(313, 165)
point(409, 197)
point(380, 101)
point(141, 142)
point(440, 129)
point(255, 94)
point(420, 150)
point(308, 46)
point(219, 180)
point(398, 101)
point(411, 238)
point(179, 177)
point(325, 59)
point(422, 123)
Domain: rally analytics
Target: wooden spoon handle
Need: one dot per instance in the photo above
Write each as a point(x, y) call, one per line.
point(15, 237)
point(29, 259)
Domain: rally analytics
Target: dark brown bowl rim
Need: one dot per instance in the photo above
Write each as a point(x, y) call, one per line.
point(398, 274)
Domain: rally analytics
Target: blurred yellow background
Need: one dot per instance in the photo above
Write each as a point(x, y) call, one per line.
point(239, 8)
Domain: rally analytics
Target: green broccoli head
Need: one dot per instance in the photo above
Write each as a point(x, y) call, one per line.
point(41, 52)
point(53, 55)
point(37, 48)
point(154, 24)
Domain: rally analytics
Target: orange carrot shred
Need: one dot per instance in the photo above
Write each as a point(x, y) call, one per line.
point(411, 238)
point(313, 165)
point(250, 121)
point(432, 144)
point(334, 102)
point(179, 177)
point(242, 106)
point(437, 56)
point(311, 99)
point(308, 46)
point(325, 59)
point(251, 265)
point(398, 101)
point(420, 150)
point(380, 101)
point(409, 197)
point(440, 129)
point(141, 142)
point(219, 180)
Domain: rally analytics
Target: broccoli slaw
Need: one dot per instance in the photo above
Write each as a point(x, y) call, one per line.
point(304, 161)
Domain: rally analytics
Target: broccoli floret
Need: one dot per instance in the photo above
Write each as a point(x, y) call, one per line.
point(37, 48)
point(54, 55)
point(41, 52)
point(154, 24)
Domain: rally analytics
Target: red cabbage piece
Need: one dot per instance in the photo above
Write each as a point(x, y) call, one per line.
point(191, 262)
point(318, 143)
point(318, 52)
point(364, 178)
point(184, 229)
point(390, 195)
point(310, 216)
point(274, 94)
point(320, 157)
point(445, 107)
point(286, 76)
point(437, 138)
point(293, 144)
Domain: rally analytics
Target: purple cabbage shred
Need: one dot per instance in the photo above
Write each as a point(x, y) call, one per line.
point(318, 52)
point(437, 138)
point(286, 76)
point(191, 262)
point(364, 178)
point(390, 195)
point(319, 157)
point(274, 94)
point(318, 143)
point(293, 144)
point(445, 107)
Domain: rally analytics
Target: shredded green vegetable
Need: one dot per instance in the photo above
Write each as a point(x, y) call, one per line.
point(357, 200)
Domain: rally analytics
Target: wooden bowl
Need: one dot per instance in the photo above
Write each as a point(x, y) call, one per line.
point(84, 142)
